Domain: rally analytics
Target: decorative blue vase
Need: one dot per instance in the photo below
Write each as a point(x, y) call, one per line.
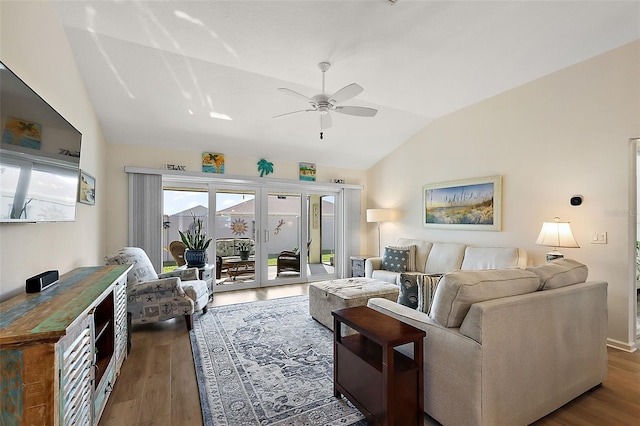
point(195, 258)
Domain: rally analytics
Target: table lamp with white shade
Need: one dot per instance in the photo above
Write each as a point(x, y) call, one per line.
point(556, 234)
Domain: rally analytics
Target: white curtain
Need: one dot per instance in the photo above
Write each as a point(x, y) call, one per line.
point(352, 212)
point(145, 215)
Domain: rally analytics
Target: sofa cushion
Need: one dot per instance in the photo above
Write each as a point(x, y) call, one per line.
point(444, 257)
point(458, 290)
point(408, 295)
point(560, 273)
point(423, 248)
point(480, 258)
point(396, 259)
point(384, 275)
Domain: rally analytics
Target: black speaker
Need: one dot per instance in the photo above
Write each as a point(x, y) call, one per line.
point(41, 281)
point(576, 200)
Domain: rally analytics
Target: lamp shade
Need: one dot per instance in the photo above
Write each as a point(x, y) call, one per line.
point(557, 234)
point(380, 215)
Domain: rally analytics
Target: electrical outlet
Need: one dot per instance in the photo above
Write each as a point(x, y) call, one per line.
point(599, 238)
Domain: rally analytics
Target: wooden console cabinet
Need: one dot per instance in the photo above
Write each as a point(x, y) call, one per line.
point(61, 349)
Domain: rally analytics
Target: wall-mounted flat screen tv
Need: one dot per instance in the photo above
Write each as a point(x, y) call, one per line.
point(39, 156)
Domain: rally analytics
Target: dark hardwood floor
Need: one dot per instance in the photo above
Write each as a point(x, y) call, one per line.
point(157, 385)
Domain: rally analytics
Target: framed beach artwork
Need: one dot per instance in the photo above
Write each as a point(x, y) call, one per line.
point(23, 133)
point(212, 162)
point(470, 204)
point(308, 171)
point(87, 189)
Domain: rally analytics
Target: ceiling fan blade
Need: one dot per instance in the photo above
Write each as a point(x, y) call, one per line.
point(356, 110)
point(325, 121)
point(294, 112)
point(294, 93)
point(347, 92)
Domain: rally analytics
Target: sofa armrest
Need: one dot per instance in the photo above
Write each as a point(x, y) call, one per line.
point(188, 274)
point(452, 366)
point(371, 264)
point(172, 284)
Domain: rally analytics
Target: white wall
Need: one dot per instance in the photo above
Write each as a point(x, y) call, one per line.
point(564, 134)
point(34, 46)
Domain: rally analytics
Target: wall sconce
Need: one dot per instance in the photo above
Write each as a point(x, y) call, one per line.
point(380, 215)
point(556, 234)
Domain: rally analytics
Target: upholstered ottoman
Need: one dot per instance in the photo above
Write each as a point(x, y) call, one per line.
point(327, 296)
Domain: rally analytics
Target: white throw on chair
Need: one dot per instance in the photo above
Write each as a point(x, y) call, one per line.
point(155, 297)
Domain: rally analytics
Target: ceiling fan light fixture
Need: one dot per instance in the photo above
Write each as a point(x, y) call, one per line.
point(324, 103)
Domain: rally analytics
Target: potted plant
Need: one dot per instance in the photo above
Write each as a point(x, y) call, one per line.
point(244, 249)
point(196, 241)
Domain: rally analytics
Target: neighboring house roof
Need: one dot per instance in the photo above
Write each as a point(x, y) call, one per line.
point(288, 205)
point(197, 211)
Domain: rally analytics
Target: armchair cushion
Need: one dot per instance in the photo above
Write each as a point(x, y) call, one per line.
point(171, 285)
point(157, 300)
point(142, 269)
point(188, 274)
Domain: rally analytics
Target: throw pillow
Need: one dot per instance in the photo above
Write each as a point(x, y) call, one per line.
point(408, 295)
point(427, 285)
point(395, 260)
point(411, 264)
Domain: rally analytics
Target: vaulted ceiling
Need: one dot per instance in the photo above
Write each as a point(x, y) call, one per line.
point(203, 75)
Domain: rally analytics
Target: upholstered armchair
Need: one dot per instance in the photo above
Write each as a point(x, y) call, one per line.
point(287, 261)
point(155, 297)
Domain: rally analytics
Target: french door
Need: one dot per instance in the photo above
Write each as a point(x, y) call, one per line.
point(261, 235)
point(292, 233)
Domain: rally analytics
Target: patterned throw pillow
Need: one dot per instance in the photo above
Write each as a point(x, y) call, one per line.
point(395, 260)
point(427, 285)
point(408, 295)
point(411, 264)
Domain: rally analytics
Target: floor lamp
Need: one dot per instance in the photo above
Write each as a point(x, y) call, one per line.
point(377, 216)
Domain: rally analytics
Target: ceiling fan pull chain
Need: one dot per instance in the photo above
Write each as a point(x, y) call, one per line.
point(320, 135)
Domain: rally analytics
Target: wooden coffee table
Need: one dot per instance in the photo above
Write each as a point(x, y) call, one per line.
point(240, 267)
point(385, 385)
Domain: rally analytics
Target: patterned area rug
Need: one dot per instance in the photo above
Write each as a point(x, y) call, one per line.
point(267, 363)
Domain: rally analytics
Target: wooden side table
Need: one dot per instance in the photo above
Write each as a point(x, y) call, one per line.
point(357, 264)
point(385, 385)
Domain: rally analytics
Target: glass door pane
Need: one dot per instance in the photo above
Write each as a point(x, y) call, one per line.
point(235, 239)
point(322, 236)
point(180, 206)
point(284, 242)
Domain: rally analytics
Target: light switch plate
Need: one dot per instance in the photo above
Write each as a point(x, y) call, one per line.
point(599, 238)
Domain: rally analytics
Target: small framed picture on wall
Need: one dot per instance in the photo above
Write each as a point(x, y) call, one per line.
point(87, 189)
point(308, 171)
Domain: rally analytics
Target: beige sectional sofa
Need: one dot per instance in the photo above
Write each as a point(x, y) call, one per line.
point(508, 346)
point(440, 258)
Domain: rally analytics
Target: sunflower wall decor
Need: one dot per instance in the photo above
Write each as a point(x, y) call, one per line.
point(239, 227)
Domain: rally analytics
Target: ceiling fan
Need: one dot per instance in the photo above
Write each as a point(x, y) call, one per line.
point(324, 103)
